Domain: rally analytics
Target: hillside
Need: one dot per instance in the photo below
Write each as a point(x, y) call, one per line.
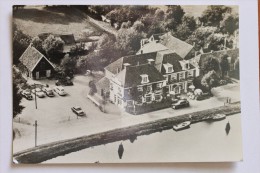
point(59, 20)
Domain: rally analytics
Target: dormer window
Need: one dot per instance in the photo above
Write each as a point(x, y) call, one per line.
point(168, 68)
point(144, 78)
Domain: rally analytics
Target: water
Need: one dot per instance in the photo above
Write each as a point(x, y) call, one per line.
point(204, 141)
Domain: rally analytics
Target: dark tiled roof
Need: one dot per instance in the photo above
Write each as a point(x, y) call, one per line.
point(103, 83)
point(233, 53)
point(133, 60)
point(180, 47)
point(133, 78)
point(30, 57)
point(68, 39)
point(170, 57)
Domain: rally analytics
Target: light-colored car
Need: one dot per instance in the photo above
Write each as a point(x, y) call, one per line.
point(48, 91)
point(27, 94)
point(78, 111)
point(60, 90)
point(39, 92)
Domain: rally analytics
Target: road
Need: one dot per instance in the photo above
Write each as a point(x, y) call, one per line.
point(57, 122)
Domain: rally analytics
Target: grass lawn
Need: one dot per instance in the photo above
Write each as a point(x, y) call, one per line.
point(60, 20)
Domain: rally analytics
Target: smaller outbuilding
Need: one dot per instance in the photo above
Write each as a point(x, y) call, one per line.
point(36, 65)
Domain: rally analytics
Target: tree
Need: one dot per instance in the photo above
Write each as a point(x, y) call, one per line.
point(20, 43)
point(17, 108)
point(224, 65)
point(68, 65)
point(189, 21)
point(230, 23)
point(138, 26)
point(128, 40)
point(182, 32)
point(200, 36)
point(37, 43)
point(214, 14)
point(215, 41)
point(210, 80)
point(174, 16)
point(52, 46)
point(210, 64)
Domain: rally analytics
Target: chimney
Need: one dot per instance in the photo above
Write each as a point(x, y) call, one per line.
point(137, 63)
point(126, 65)
point(141, 51)
point(194, 44)
point(117, 70)
point(150, 61)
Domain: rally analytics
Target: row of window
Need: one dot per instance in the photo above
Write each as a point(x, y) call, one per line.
point(182, 75)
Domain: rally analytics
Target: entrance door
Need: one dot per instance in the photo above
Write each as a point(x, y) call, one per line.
point(48, 73)
point(37, 75)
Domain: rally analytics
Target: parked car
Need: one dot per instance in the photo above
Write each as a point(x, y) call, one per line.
point(64, 81)
point(27, 94)
point(181, 104)
point(60, 90)
point(78, 111)
point(48, 91)
point(39, 92)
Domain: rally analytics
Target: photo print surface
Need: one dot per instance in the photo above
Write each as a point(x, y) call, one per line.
point(126, 84)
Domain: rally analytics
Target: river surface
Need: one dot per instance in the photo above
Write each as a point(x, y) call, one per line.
point(204, 141)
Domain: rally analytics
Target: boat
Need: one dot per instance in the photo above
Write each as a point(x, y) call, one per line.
point(181, 126)
point(219, 117)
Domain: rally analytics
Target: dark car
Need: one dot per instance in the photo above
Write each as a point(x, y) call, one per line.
point(64, 81)
point(181, 104)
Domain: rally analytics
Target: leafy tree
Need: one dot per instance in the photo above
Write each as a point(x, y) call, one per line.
point(37, 43)
point(215, 41)
point(200, 36)
point(214, 14)
point(128, 40)
point(210, 80)
point(20, 43)
point(78, 49)
point(224, 65)
point(189, 21)
point(138, 26)
point(230, 23)
point(153, 25)
point(174, 16)
point(52, 46)
point(129, 13)
point(211, 64)
point(182, 32)
point(17, 107)
point(68, 65)
point(126, 25)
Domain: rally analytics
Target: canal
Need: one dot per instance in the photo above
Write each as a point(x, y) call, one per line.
point(204, 141)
